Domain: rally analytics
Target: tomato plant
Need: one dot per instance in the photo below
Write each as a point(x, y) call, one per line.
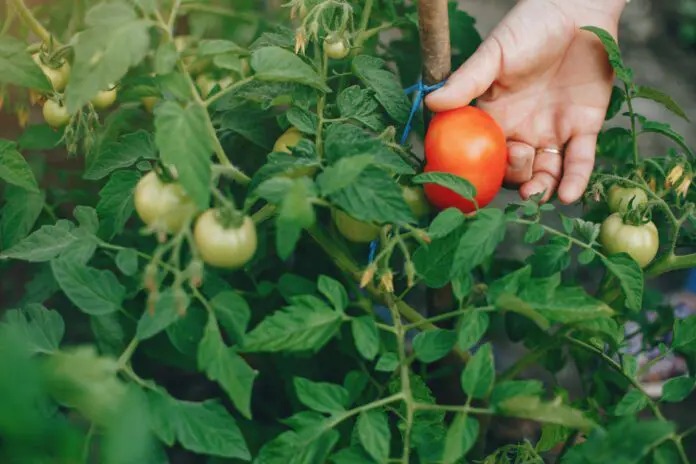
point(466, 143)
point(240, 262)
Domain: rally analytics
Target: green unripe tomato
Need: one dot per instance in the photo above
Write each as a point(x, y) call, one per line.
point(619, 198)
point(354, 230)
point(416, 201)
point(165, 206)
point(336, 47)
point(225, 247)
point(55, 114)
point(641, 242)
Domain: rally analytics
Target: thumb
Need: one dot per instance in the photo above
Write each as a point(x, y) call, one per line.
point(470, 81)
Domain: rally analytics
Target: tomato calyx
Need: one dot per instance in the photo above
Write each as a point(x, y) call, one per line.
point(229, 217)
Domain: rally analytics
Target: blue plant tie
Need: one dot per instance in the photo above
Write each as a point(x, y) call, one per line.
point(421, 90)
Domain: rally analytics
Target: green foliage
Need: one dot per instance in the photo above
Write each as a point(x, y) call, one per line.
point(120, 344)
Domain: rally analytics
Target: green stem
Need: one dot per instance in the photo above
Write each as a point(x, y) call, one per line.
point(87, 448)
point(345, 263)
point(634, 134)
point(9, 19)
point(558, 233)
point(127, 353)
point(461, 409)
point(227, 90)
point(616, 367)
point(33, 24)
point(669, 263)
point(442, 317)
point(173, 15)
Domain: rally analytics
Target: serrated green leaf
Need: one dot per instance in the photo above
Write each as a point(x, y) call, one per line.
point(479, 374)
point(482, 237)
point(388, 91)
point(535, 232)
point(472, 327)
point(445, 223)
point(127, 261)
point(279, 65)
point(632, 403)
point(630, 277)
point(166, 311)
point(118, 155)
point(14, 168)
point(223, 365)
point(388, 362)
point(461, 436)
point(334, 292)
point(457, 184)
point(41, 330)
point(321, 396)
point(374, 433)
point(95, 292)
point(185, 143)
point(532, 407)
point(343, 173)
point(303, 120)
point(115, 40)
point(19, 214)
point(306, 325)
point(233, 312)
point(511, 388)
point(17, 67)
point(205, 428)
point(677, 389)
point(432, 345)
point(115, 204)
point(662, 98)
point(42, 245)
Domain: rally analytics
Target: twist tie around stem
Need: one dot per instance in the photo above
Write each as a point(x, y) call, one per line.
point(420, 90)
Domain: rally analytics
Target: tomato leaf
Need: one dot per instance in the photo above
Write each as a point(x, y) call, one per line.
point(632, 403)
point(40, 329)
point(115, 204)
point(618, 98)
point(685, 335)
point(388, 362)
point(121, 154)
point(432, 345)
point(321, 396)
point(303, 120)
point(43, 244)
point(187, 331)
point(532, 407)
point(39, 137)
point(343, 173)
point(223, 365)
point(334, 292)
point(472, 327)
point(549, 259)
point(233, 312)
point(278, 65)
point(446, 222)
point(366, 336)
point(18, 216)
point(94, 291)
point(461, 436)
point(17, 67)
point(296, 213)
point(185, 143)
point(551, 436)
point(564, 304)
point(479, 374)
point(662, 98)
point(306, 325)
point(480, 240)
point(374, 433)
point(457, 184)
point(630, 277)
point(127, 261)
point(352, 455)
point(615, 59)
point(376, 197)
point(434, 261)
point(218, 46)
point(677, 389)
point(165, 313)
point(388, 91)
point(512, 388)
point(116, 39)
point(14, 168)
point(666, 130)
point(205, 428)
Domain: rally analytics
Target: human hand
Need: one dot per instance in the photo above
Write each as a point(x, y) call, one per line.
point(548, 84)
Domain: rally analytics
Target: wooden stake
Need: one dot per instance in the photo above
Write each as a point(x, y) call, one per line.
point(436, 49)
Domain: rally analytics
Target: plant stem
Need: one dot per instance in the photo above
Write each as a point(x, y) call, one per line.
point(634, 134)
point(173, 15)
point(87, 447)
point(553, 231)
point(321, 103)
point(447, 408)
point(31, 21)
point(127, 353)
point(671, 262)
point(614, 365)
point(446, 316)
point(345, 263)
point(227, 90)
point(9, 19)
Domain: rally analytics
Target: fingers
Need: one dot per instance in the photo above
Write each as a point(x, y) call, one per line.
point(579, 162)
point(520, 163)
point(546, 174)
point(470, 81)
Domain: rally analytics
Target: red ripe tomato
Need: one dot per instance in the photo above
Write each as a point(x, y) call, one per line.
point(468, 143)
